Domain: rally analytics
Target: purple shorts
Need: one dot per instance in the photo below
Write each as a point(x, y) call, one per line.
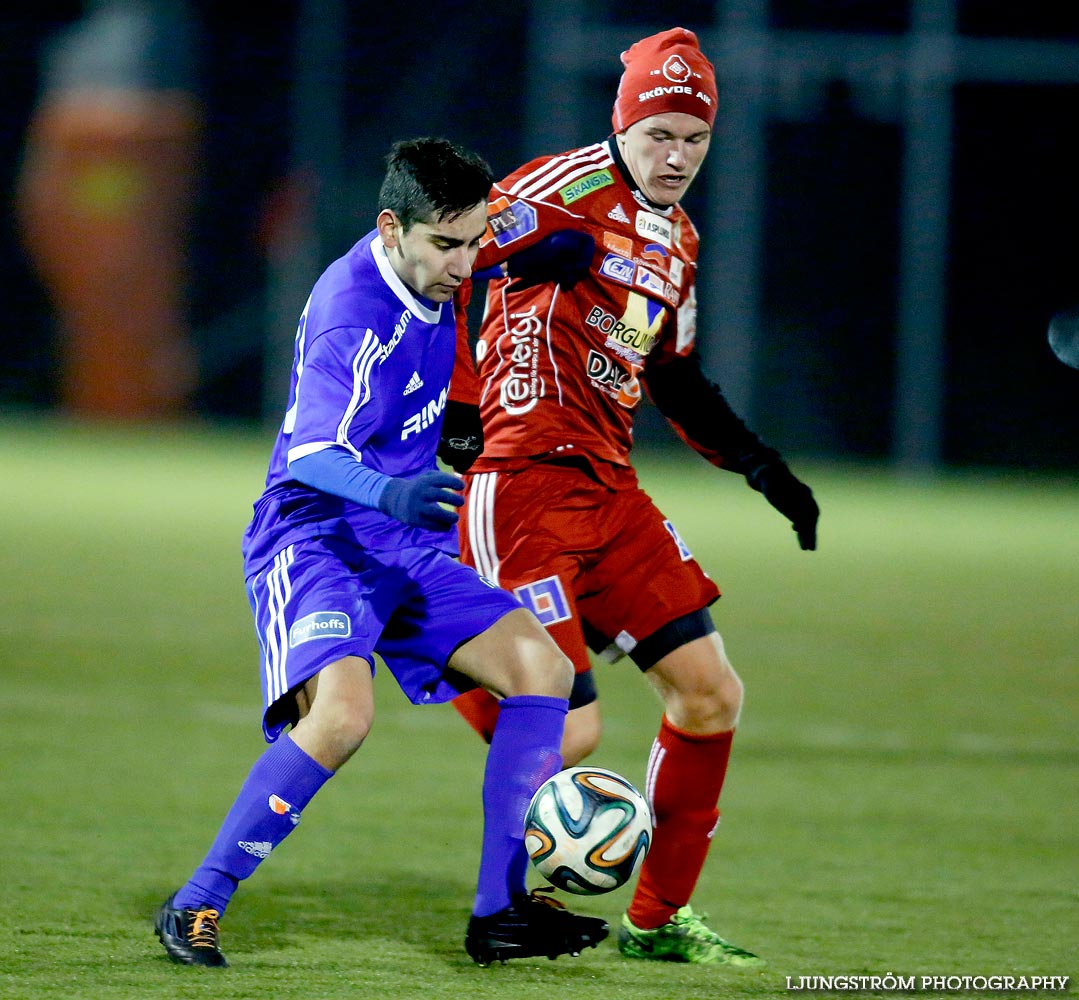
point(325, 598)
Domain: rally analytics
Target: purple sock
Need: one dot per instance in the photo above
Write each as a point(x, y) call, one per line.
point(280, 784)
point(524, 753)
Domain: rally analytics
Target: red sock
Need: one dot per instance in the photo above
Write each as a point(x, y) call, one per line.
point(480, 710)
point(685, 777)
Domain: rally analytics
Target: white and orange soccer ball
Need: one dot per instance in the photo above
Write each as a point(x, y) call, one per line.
point(587, 830)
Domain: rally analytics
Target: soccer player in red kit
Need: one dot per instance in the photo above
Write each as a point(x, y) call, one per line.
point(598, 308)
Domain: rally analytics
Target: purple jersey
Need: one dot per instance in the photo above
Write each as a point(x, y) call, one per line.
point(371, 373)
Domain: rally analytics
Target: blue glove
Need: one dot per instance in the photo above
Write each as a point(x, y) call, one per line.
point(416, 501)
point(563, 256)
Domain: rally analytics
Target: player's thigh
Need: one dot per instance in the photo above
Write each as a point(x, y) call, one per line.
point(522, 531)
point(445, 608)
point(312, 605)
point(515, 656)
point(645, 579)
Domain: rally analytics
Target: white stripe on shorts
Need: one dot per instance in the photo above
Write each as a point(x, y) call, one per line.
point(481, 526)
point(279, 587)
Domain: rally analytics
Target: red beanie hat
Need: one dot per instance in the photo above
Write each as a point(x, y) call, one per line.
point(664, 73)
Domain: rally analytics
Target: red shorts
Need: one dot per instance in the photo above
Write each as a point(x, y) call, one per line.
point(586, 559)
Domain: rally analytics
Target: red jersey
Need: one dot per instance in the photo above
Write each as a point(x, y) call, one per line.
point(559, 369)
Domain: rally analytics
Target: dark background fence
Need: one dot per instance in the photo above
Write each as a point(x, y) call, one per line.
point(889, 211)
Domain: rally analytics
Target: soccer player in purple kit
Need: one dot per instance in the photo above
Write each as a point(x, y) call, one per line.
point(350, 552)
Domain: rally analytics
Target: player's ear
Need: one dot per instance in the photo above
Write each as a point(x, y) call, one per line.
point(389, 228)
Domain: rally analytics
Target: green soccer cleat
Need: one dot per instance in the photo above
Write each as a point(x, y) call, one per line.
point(684, 938)
point(189, 936)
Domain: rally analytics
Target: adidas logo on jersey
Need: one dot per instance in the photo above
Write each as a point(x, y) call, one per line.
point(258, 848)
point(618, 214)
point(414, 383)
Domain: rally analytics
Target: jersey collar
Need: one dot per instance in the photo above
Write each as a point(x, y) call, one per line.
point(425, 309)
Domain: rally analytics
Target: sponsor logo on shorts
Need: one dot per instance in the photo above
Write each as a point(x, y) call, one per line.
point(545, 599)
point(257, 848)
point(585, 185)
point(320, 625)
point(683, 549)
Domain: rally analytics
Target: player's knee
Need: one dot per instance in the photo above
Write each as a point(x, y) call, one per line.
point(704, 701)
point(540, 666)
point(338, 716)
point(715, 704)
point(556, 671)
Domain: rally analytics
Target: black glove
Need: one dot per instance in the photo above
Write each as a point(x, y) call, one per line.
point(790, 496)
point(563, 256)
point(417, 501)
point(462, 435)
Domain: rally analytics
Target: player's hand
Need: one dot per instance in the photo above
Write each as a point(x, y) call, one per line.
point(418, 501)
point(790, 496)
point(563, 256)
point(462, 435)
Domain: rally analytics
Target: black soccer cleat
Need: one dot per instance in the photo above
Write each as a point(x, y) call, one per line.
point(532, 925)
point(189, 936)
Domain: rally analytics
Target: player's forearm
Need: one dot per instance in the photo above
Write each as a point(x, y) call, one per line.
point(335, 471)
point(701, 414)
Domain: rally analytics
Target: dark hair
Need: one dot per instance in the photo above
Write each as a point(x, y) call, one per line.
point(432, 180)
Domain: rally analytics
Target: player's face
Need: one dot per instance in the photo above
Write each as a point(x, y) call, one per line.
point(664, 153)
point(433, 258)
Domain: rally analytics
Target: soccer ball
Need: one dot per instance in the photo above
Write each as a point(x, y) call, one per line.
point(587, 830)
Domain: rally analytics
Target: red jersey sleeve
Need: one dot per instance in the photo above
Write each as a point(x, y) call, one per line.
point(465, 383)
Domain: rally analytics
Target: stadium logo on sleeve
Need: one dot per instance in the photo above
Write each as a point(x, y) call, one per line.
point(320, 625)
point(545, 599)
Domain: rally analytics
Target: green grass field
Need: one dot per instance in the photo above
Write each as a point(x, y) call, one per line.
point(903, 796)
